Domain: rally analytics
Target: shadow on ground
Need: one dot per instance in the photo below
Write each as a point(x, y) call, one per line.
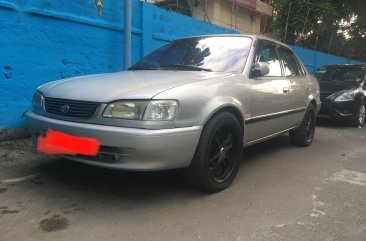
point(331, 123)
point(89, 180)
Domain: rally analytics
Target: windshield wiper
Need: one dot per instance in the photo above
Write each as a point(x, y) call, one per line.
point(145, 65)
point(184, 67)
point(139, 67)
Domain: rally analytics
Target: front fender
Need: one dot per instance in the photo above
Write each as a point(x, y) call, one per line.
point(199, 101)
point(221, 103)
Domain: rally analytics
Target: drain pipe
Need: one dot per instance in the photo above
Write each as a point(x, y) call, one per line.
point(127, 33)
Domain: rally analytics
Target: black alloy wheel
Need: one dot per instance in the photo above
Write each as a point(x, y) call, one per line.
point(222, 153)
point(361, 115)
point(304, 135)
point(309, 126)
point(218, 154)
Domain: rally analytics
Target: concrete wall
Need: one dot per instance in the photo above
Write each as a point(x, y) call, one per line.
point(314, 59)
point(45, 40)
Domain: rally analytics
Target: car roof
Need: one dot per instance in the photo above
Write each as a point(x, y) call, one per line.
point(344, 66)
point(253, 36)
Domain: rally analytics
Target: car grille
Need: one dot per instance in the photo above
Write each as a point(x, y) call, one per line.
point(107, 154)
point(71, 108)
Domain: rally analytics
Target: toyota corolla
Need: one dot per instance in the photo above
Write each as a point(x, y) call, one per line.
point(194, 103)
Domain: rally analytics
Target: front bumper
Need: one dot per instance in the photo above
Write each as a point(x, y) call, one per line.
point(132, 148)
point(338, 110)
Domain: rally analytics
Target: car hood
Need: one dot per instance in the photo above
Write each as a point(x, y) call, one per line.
point(332, 86)
point(141, 84)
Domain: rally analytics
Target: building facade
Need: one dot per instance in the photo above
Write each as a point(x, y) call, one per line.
point(246, 16)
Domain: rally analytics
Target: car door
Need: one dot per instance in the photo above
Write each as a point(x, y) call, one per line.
point(271, 98)
point(300, 87)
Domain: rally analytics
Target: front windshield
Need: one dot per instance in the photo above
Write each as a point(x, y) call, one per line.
point(219, 54)
point(340, 74)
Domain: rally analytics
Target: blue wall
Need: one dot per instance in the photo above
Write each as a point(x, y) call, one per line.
point(45, 40)
point(314, 59)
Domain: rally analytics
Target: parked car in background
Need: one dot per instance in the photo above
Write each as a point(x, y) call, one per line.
point(343, 92)
point(194, 103)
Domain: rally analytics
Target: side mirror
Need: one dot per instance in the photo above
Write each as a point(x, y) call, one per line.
point(260, 69)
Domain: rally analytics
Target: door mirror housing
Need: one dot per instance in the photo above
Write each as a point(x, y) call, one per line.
point(259, 69)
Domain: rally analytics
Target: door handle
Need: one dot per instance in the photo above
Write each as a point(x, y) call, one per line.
point(286, 90)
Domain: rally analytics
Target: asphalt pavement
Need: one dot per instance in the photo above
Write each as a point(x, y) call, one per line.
point(281, 192)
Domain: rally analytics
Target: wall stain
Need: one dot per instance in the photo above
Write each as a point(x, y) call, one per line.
point(65, 61)
point(8, 68)
point(99, 7)
point(8, 72)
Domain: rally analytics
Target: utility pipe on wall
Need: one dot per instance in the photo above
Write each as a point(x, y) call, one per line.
point(127, 33)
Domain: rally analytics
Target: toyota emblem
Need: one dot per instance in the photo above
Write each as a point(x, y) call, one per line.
point(65, 108)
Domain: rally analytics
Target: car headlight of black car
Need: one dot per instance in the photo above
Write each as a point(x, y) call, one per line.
point(347, 95)
point(343, 95)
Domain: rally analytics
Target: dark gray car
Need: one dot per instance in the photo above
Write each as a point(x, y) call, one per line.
point(194, 103)
point(343, 92)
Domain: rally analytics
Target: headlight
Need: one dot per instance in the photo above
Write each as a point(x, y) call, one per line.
point(132, 110)
point(142, 110)
point(346, 96)
point(38, 100)
point(161, 110)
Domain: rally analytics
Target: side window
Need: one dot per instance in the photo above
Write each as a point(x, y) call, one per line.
point(290, 63)
point(352, 74)
point(268, 55)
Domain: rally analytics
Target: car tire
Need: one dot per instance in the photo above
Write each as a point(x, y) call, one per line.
point(359, 121)
point(304, 135)
point(218, 154)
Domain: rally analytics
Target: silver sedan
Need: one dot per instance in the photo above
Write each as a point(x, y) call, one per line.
point(194, 103)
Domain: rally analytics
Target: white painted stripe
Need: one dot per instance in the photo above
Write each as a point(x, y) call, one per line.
point(20, 179)
point(352, 177)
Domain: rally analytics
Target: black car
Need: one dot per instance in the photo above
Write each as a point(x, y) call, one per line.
point(343, 92)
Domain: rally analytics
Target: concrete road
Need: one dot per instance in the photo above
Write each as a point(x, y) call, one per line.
point(281, 193)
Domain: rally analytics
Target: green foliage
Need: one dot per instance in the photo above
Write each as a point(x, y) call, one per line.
point(317, 25)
